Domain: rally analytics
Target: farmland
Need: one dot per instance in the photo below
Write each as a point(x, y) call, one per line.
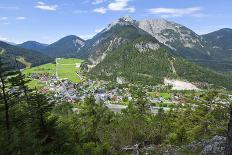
point(68, 68)
point(64, 69)
point(69, 61)
point(47, 68)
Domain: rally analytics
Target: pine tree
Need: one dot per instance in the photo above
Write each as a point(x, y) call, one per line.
point(5, 99)
point(20, 82)
point(5, 74)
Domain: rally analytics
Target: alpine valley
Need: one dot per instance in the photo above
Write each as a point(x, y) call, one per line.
point(138, 87)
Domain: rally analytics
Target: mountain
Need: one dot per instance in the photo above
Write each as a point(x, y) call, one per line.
point(33, 45)
point(11, 43)
point(118, 33)
point(26, 57)
point(123, 49)
point(65, 47)
point(186, 43)
point(221, 41)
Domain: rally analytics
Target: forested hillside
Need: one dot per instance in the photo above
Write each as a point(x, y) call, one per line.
point(152, 66)
point(11, 52)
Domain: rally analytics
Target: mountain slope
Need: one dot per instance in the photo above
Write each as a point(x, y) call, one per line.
point(25, 56)
point(116, 34)
point(33, 45)
point(221, 41)
point(186, 43)
point(65, 47)
point(150, 66)
point(124, 50)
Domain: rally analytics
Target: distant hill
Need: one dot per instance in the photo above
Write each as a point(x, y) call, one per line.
point(221, 41)
point(25, 57)
point(65, 47)
point(33, 45)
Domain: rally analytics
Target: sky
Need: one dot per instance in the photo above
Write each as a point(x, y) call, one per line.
point(46, 21)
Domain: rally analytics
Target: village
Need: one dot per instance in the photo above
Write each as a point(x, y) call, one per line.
point(116, 96)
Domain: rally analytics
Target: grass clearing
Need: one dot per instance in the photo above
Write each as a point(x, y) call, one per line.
point(166, 96)
point(69, 61)
point(66, 68)
point(46, 68)
point(69, 72)
point(34, 84)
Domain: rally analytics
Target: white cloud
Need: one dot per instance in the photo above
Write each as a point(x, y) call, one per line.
point(116, 5)
point(20, 18)
point(41, 3)
point(3, 18)
point(120, 5)
point(131, 9)
point(101, 10)
point(176, 12)
point(98, 2)
point(44, 6)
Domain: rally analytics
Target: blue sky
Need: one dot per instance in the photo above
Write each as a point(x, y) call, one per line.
point(49, 20)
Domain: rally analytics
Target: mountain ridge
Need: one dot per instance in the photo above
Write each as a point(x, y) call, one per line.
point(33, 45)
point(67, 46)
point(12, 52)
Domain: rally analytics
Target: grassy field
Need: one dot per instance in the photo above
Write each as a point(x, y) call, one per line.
point(34, 84)
point(69, 61)
point(69, 72)
point(164, 95)
point(46, 68)
point(66, 68)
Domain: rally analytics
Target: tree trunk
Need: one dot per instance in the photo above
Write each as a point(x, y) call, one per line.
point(6, 107)
point(228, 149)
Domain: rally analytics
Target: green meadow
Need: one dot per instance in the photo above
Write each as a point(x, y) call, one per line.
point(66, 68)
point(46, 68)
point(69, 61)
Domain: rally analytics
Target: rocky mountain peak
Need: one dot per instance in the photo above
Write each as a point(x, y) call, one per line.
point(126, 19)
point(170, 33)
point(123, 21)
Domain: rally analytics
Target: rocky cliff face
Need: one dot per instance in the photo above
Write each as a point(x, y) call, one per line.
point(170, 33)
